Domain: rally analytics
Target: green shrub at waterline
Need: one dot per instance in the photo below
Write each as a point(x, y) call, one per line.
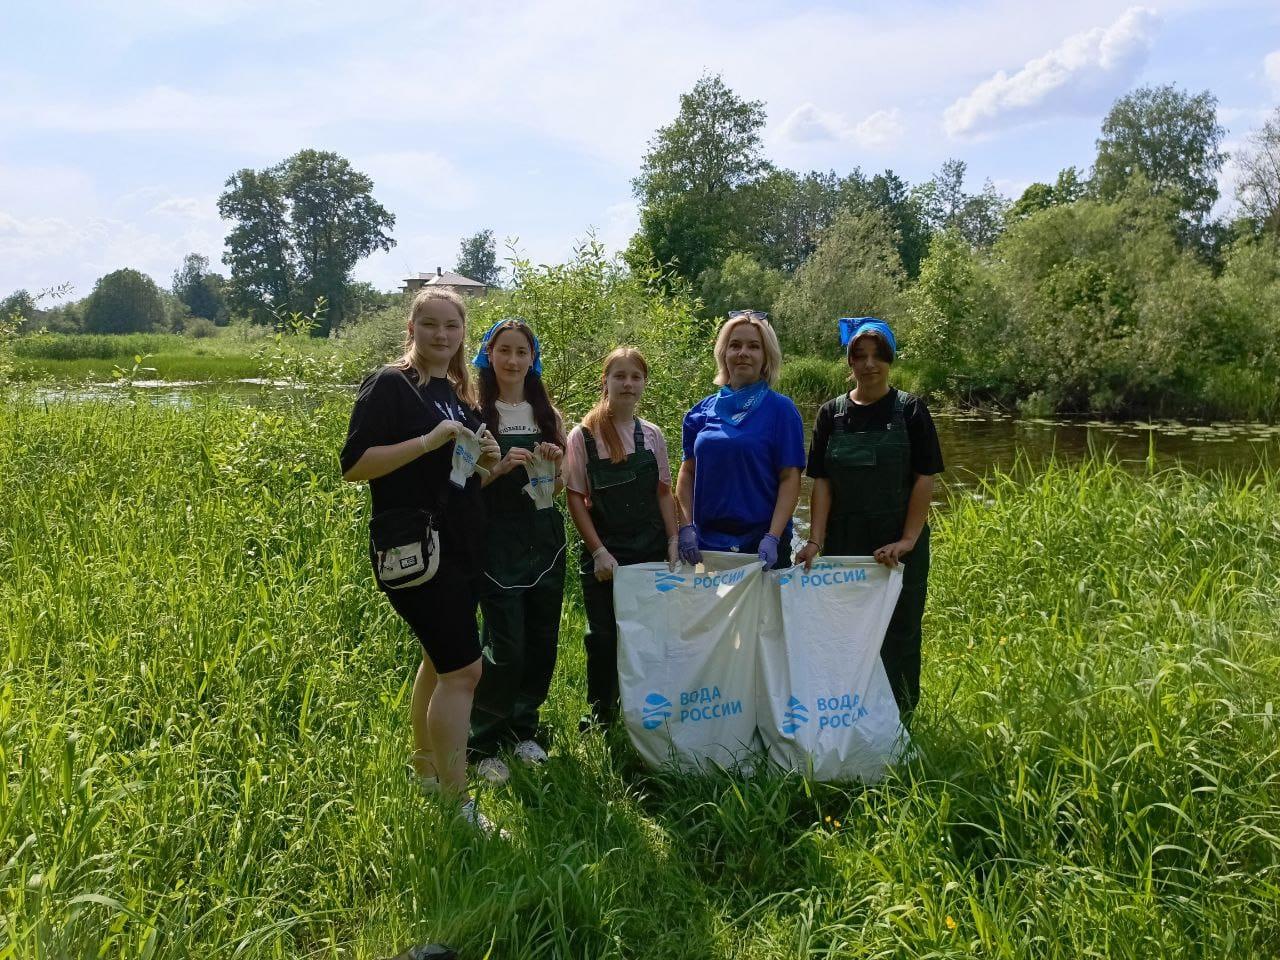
point(203, 730)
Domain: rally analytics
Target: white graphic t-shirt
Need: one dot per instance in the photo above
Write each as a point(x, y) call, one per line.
point(515, 418)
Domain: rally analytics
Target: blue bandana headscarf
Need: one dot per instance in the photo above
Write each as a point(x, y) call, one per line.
point(853, 327)
point(481, 359)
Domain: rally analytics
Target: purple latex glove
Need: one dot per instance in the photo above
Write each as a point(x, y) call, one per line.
point(768, 551)
point(689, 551)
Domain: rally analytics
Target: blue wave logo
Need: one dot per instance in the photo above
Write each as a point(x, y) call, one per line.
point(796, 716)
point(663, 582)
point(785, 578)
point(657, 711)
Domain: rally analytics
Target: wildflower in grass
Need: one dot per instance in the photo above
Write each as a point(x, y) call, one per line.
point(951, 924)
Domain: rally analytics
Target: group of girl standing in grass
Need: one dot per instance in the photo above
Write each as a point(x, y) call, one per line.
point(463, 512)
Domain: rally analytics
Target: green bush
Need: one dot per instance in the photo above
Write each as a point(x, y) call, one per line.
point(582, 309)
point(812, 380)
point(199, 328)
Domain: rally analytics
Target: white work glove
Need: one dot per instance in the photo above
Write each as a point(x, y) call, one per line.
point(541, 487)
point(466, 451)
point(605, 564)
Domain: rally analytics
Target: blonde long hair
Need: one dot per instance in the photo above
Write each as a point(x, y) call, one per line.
point(599, 420)
point(458, 374)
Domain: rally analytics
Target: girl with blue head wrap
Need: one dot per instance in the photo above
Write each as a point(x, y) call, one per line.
point(873, 459)
point(524, 550)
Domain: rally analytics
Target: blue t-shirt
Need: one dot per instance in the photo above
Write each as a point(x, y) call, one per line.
point(735, 481)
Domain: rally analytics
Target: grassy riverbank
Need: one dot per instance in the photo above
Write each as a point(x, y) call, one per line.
point(203, 728)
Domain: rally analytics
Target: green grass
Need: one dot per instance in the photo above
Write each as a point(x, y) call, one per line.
point(203, 729)
point(165, 356)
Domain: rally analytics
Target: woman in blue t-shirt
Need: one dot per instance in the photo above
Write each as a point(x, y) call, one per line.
point(743, 452)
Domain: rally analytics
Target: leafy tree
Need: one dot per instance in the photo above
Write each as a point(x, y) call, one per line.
point(1041, 196)
point(944, 204)
point(1172, 139)
point(739, 283)
point(953, 334)
point(478, 259)
point(1258, 189)
point(200, 289)
point(855, 271)
point(889, 193)
point(1107, 310)
point(259, 249)
point(301, 226)
point(1250, 288)
point(690, 187)
point(20, 310)
point(791, 210)
point(334, 223)
point(125, 301)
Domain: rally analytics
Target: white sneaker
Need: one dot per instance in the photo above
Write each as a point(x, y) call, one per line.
point(531, 752)
point(427, 786)
point(472, 815)
point(493, 770)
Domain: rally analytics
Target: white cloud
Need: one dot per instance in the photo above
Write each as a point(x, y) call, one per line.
point(882, 128)
point(809, 124)
point(1271, 67)
point(187, 208)
point(1080, 75)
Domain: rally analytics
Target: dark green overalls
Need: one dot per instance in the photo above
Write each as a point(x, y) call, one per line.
point(624, 510)
point(871, 480)
point(520, 596)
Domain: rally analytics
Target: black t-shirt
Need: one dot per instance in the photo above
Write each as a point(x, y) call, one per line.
point(390, 409)
point(926, 454)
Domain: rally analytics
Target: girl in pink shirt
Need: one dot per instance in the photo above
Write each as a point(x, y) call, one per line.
point(619, 488)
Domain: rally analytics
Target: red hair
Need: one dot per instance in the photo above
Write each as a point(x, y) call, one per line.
point(599, 420)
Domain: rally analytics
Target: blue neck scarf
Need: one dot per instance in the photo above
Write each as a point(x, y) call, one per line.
point(734, 406)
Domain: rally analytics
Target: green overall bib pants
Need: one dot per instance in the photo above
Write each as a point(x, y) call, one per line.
point(520, 596)
point(624, 510)
point(871, 479)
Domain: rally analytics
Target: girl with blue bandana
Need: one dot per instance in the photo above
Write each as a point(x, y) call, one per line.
point(743, 452)
point(874, 455)
point(524, 550)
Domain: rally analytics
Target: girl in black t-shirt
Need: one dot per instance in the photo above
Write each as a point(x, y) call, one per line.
point(873, 458)
point(403, 427)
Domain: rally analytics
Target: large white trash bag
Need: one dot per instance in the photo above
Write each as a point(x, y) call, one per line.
point(687, 659)
point(824, 705)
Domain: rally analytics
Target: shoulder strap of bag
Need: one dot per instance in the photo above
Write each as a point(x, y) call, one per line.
point(444, 494)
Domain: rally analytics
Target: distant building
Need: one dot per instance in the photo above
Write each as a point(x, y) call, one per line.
point(448, 280)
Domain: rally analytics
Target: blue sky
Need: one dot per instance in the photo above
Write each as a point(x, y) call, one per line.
point(120, 122)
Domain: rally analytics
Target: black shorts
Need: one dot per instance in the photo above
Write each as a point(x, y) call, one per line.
point(442, 614)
